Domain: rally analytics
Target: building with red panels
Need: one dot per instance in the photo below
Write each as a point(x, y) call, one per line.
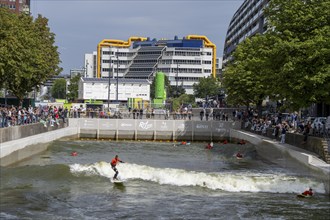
point(17, 6)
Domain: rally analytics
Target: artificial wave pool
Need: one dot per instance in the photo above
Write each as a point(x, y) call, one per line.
point(161, 181)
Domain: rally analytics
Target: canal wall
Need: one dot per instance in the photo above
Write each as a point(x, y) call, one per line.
point(282, 154)
point(22, 131)
point(175, 130)
point(20, 149)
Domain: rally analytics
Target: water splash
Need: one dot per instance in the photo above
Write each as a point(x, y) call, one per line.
point(228, 181)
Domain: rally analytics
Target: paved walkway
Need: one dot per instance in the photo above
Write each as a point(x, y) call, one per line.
point(313, 158)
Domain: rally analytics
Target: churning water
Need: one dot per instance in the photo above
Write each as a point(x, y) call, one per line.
point(161, 181)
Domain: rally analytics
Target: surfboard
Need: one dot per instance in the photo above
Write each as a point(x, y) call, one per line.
point(116, 180)
point(303, 196)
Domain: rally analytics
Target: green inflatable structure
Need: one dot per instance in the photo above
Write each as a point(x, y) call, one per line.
point(160, 92)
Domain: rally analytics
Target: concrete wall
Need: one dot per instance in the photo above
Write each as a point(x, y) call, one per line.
point(17, 132)
point(313, 144)
point(283, 153)
point(155, 129)
point(16, 150)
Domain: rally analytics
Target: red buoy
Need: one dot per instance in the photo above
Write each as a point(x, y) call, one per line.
point(74, 153)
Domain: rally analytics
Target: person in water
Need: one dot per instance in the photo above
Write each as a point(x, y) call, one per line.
point(242, 142)
point(308, 192)
point(209, 146)
point(239, 155)
point(114, 162)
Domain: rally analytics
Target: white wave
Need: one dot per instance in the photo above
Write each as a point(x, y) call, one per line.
point(7, 216)
point(227, 181)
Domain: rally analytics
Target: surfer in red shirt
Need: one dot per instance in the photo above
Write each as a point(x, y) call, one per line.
point(308, 192)
point(114, 162)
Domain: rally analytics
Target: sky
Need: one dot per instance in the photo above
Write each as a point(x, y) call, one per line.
point(79, 25)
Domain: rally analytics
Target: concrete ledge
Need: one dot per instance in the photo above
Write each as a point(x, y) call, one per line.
point(10, 147)
point(276, 152)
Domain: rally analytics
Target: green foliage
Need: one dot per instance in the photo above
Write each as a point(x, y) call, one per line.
point(177, 91)
point(28, 56)
point(183, 99)
point(290, 62)
point(301, 29)
point(59, 89)
point(247, 78)
point(206, 87)
point(73, 88)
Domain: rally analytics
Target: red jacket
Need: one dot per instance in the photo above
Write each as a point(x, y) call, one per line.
point(308, 193)
point(114, 161)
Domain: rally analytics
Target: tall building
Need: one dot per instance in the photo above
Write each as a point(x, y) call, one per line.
point(183, 61)
point(90, 65)
point(16, 6)
point(247, 21)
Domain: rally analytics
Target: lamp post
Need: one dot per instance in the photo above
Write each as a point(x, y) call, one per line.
point(117, 78)
point(177, 78)
point(109, 81)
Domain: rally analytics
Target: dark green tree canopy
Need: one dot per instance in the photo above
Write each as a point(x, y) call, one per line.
point(59, 89)
point(207, 86)
point(290, 62)
point(28, 56)
point(73, 88)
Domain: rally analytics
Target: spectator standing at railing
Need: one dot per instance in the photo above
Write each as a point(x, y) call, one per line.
point(129, 111)
point(306, 131)
point(201, 114)
point(207, 114)
point(141, 113)
point(137, 113)
point(189, 114)
point(283, 133)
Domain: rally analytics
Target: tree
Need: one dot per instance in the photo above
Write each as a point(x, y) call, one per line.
point(290, 62)
point(206, 87)
point(176, 92)
point(302, 32)
point(59, 89)
point(183, 99)
point(28, 56)
point(247, 78)
point(73, 88)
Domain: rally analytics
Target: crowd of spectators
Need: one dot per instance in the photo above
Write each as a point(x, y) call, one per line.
point(52, 115)
point(279, 123)
point(47, 115)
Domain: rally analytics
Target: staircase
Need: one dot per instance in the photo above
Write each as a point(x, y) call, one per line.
point(326, 146)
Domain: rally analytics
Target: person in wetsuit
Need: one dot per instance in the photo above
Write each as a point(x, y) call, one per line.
point(308, 192)
point(114, 162)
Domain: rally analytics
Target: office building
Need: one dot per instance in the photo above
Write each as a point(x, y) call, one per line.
point(16, 6)
point(247, 21)
point(184, 61)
